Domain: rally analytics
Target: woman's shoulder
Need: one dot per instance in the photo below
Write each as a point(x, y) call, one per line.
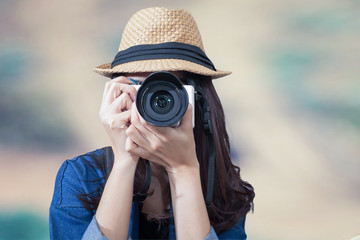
point(91, 164)
point(82, 174)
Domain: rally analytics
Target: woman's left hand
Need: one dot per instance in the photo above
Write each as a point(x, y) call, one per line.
point(172, 148)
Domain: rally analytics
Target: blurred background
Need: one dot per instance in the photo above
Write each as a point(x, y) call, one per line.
point(292, 104)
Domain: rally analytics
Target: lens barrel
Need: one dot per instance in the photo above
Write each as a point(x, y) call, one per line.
point(161, 99)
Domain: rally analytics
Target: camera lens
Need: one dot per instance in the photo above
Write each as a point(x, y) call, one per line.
point(162, 100)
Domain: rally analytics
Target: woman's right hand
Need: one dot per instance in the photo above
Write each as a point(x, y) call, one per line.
point(115, 115)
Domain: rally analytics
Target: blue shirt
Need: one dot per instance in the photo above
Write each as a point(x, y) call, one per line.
point(69, 219)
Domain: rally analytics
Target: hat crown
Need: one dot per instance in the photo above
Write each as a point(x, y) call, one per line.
point(159, 25)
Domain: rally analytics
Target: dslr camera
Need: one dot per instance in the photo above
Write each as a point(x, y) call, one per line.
point(162, 100)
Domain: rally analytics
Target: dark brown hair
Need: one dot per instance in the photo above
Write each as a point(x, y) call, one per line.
point(232, 197)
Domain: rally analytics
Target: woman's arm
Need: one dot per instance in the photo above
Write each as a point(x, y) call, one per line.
point(191, 218)
point(113, 213)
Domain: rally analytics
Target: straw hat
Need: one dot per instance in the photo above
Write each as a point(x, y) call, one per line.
point(160, 39)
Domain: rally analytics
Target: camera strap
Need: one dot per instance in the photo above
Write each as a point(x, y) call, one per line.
point(209, 132)
point(141, 196)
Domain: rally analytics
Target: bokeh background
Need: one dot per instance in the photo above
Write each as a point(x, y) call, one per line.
point(292, 104)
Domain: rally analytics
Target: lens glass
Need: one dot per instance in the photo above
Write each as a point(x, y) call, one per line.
point(162, 102)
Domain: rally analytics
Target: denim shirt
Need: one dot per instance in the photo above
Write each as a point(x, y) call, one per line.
point(69, 219)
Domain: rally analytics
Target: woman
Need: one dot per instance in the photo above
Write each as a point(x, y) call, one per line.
point(97, 195)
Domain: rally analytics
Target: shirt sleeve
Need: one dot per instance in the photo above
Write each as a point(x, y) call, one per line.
point(68, 218)
point(93, 231)
point(236, 232)
point(212, 235)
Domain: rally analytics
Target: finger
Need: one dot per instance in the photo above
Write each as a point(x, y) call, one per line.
point(119, 121)
point(121, 103)
point(130, 145)
point(134, 134)
point(116, 89)
point(135, 119)
point(141, 123)
point(186, 120)
point(132, 148)
point(121, 79)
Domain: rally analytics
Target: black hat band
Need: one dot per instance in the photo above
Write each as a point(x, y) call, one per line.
point(168, 50)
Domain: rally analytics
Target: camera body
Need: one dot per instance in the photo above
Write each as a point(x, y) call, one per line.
point(162, 100)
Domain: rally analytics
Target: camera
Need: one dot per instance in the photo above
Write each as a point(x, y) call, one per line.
point(162, 100)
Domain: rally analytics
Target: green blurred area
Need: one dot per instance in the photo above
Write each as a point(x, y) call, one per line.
point(23, 225)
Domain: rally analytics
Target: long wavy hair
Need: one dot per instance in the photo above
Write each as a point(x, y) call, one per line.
point(232, 197)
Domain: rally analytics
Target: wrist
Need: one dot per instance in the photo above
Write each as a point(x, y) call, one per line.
point(184, 171)
point(125, 162)
point(185, 183)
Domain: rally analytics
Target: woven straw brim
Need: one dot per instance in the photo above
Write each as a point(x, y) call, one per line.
point(154, 65)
